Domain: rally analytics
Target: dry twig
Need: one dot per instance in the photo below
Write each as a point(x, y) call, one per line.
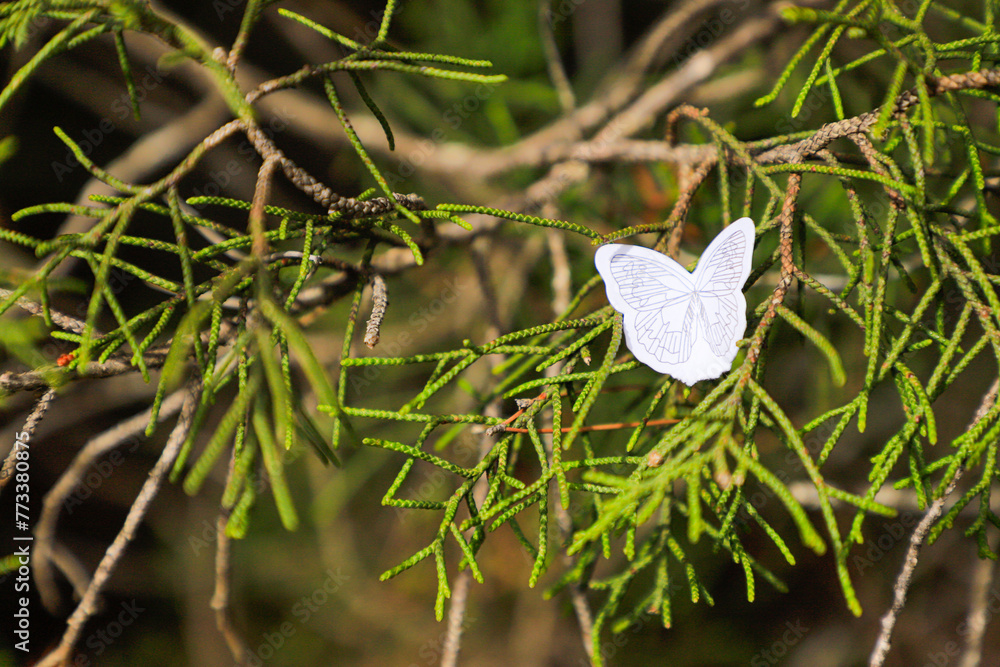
point(905, 578)
point(220, 598)
point(27, 432)
point(88, 605)
point(380, 301)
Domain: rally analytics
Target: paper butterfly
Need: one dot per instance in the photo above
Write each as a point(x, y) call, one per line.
point(679, 323)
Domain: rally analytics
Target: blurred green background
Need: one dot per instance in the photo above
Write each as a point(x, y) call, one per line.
point(313, 597)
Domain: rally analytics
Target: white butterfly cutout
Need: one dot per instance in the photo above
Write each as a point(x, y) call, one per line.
point(679, 323)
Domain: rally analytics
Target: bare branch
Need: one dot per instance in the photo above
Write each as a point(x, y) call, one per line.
point(220, 598)
point(905, 578)
point(27, 431)
point(56, 498)
point(149, 490)
point(979, 614)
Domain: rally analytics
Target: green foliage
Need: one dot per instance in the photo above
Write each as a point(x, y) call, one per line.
point(913, 281)
point(187, 321)
point(887, 233)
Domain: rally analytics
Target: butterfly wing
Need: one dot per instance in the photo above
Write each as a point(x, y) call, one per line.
point(719, 278)
point(657, 297)
point(679, 323)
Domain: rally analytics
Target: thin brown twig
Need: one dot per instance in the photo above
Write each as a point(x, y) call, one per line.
point(618, 89)
point(456, 619)
point(150, 488)
point(118, 364)
point(675, 116)
point(568, 160)
point(77, 573)
point(597, 427)
point(344, 207)
point(656, 99)
point(901, 500)
point(240, 43)
point(792, 153)
point(634, 150)
point(56, 498)
point(27, 433)
point(261, 194)
point(221, 596)
point(905, 577)
point(980, 612)
point(612, 143)
point(11, 382)
point(523, 404)
point(787, 270)
point(577, 591)
point(553, 60)
point(61, 320)
point(460, 591)
point(672, 224)
point(872, 157)
point(491, 303)
point(562, 280)
point(635, 108)
point(675, 222)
